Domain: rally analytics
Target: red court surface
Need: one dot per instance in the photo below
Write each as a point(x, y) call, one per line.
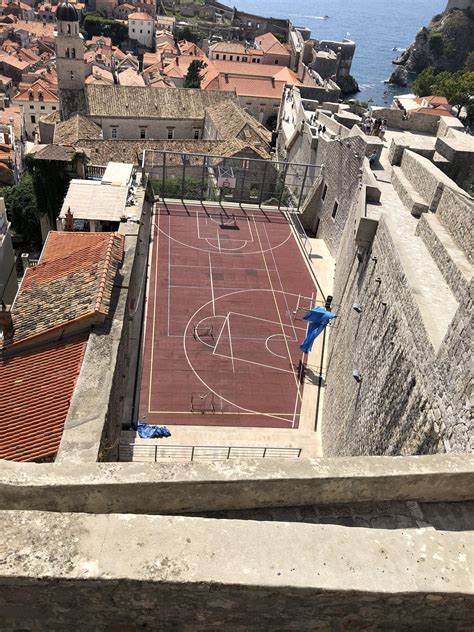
point(227, 290)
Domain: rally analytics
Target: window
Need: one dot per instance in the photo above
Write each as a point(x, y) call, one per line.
point(170, 133)
point(276, 62)
point(217, 55)
point(245, 59)
point(334, 209)
point(73, 53)
point(325, 190)
point(224, 56)
point(133, 30)
point(33, 118)
point(238, 58)
point(42, 107)
point(53, 107)
point(142, 132)
point(32, 107)
point(196, 134)
point(69, 29)
point(66, 53)
point(249, 23)
point(31, 96)
point(253, 60)
point(231, 57)
point(113, 132)
point(72, 76)
point(40, 96)
point(258, 61)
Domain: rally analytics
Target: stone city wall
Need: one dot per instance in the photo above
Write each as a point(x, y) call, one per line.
point(455, 269)
point(124, 572)
point(456, 213)
point(409, 400)
point(415, 122)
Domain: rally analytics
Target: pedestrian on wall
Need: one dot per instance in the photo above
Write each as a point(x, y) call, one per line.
point(372, 158)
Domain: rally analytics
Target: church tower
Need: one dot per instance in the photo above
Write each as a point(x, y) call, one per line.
point(69, 45)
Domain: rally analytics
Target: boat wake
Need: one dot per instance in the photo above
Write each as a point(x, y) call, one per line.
point(316, 17)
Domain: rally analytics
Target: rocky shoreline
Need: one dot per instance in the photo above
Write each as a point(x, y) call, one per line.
point(443, 45)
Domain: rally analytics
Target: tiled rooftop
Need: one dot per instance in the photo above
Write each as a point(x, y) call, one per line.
point(69, 290)
point(68, 132)
point(139, 102)
point(36, 387)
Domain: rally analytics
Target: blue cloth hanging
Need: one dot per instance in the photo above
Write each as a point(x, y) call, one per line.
point(318, 319)
point(148, 431)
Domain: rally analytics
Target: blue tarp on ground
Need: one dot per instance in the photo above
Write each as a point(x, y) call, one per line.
point(147, 431)
point(318, 319)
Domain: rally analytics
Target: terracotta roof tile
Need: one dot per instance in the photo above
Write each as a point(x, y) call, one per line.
point(68, 132)
point(36, 387)
point(70, 287)
point(140, 102)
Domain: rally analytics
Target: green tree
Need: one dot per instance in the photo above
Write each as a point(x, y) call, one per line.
point(50, 181)
point(193, 76)
point(188, 35)
point(423, 84)
point(94, 25)
point(22, 209)
point(457, 87)
point(469, 65)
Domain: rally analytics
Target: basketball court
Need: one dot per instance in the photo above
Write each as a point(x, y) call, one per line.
point(227, 290)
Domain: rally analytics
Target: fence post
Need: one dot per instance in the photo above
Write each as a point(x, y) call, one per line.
point(264, 452)
point(228, 453)
point(192, 454)
point(263, 184)
point(302, 188)
point(156, 453)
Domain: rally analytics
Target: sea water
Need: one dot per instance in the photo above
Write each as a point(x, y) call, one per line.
point(377, 27)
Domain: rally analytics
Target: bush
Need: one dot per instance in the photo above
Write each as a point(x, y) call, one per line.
point(94, 25)
point(436, 42)
point(173, 188)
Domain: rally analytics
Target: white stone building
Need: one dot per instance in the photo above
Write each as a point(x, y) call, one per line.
point(35, 101)
point(141, 29)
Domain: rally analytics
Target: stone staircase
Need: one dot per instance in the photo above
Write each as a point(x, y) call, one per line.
point(407, 193)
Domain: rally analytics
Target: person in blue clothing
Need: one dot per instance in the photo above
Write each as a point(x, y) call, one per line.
point(372, 158)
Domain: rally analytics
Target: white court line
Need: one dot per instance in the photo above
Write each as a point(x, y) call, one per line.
point(264, 366)
point(220, 333)
point(169, 273)
point(300, 386)
point(219, 241)
point(277, 308)
point(265, 320)
point(157, 226)
point(232, 252)
point(280, 282)
point(230, 344)
point(209, 388)
point(212, 286)
point(189, 265)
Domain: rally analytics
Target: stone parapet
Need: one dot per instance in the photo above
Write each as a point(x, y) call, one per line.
point(124, 572)
point(228, 485)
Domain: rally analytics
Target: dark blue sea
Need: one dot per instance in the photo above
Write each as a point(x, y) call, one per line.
point(377, 26)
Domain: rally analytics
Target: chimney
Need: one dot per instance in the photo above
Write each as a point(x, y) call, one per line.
point(69, 220)
point(25, 261)
point(6, 322)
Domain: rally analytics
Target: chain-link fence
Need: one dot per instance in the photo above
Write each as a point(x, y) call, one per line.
point(219, 179)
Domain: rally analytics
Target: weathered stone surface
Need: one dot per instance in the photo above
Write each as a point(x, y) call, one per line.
point(232, 485)
point(122, 572)
point(399, 77)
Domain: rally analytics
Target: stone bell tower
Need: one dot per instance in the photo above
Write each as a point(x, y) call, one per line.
point(69, 45)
